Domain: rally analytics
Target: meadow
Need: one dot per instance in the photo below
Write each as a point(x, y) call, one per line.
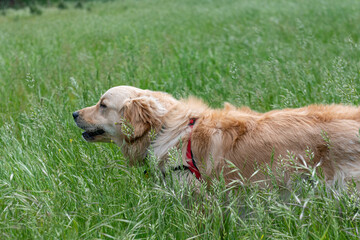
point(262, 54)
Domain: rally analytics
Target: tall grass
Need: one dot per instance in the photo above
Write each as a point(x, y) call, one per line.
point(263, 54)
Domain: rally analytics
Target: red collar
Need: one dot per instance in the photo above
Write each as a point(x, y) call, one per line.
point(189, 155)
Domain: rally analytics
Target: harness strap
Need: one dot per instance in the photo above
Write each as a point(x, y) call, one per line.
point(189, 155)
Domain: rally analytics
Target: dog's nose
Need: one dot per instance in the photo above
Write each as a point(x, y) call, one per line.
point(75, 115)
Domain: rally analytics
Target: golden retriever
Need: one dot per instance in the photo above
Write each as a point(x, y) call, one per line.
point(209, 139)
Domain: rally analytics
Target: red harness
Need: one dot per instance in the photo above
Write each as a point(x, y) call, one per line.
point(189, 155)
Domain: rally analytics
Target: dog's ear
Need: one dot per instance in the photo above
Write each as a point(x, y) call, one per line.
point(143, 113)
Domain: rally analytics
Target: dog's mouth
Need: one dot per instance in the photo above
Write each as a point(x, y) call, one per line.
point(90, 135)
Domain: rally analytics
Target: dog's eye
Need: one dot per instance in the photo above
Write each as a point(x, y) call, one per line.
point(102, 105)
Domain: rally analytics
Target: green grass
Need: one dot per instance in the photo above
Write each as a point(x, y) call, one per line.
point(263, 54)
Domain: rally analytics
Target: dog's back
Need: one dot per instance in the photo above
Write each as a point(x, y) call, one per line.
point(318, 133)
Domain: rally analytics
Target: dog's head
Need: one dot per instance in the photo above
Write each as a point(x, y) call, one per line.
point(124, 115)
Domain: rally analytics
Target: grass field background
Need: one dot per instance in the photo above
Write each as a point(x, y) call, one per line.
point(263, 54)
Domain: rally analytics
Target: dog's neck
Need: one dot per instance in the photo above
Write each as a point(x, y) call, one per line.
point(175, 127)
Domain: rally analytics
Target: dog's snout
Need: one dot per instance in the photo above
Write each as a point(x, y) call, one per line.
point(75, 115)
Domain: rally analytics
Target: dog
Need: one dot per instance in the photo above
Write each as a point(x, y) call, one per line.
point(231, 141)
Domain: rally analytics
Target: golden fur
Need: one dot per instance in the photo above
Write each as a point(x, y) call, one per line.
point(245, 138)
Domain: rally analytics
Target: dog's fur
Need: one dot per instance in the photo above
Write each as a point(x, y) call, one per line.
point(245, 138)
